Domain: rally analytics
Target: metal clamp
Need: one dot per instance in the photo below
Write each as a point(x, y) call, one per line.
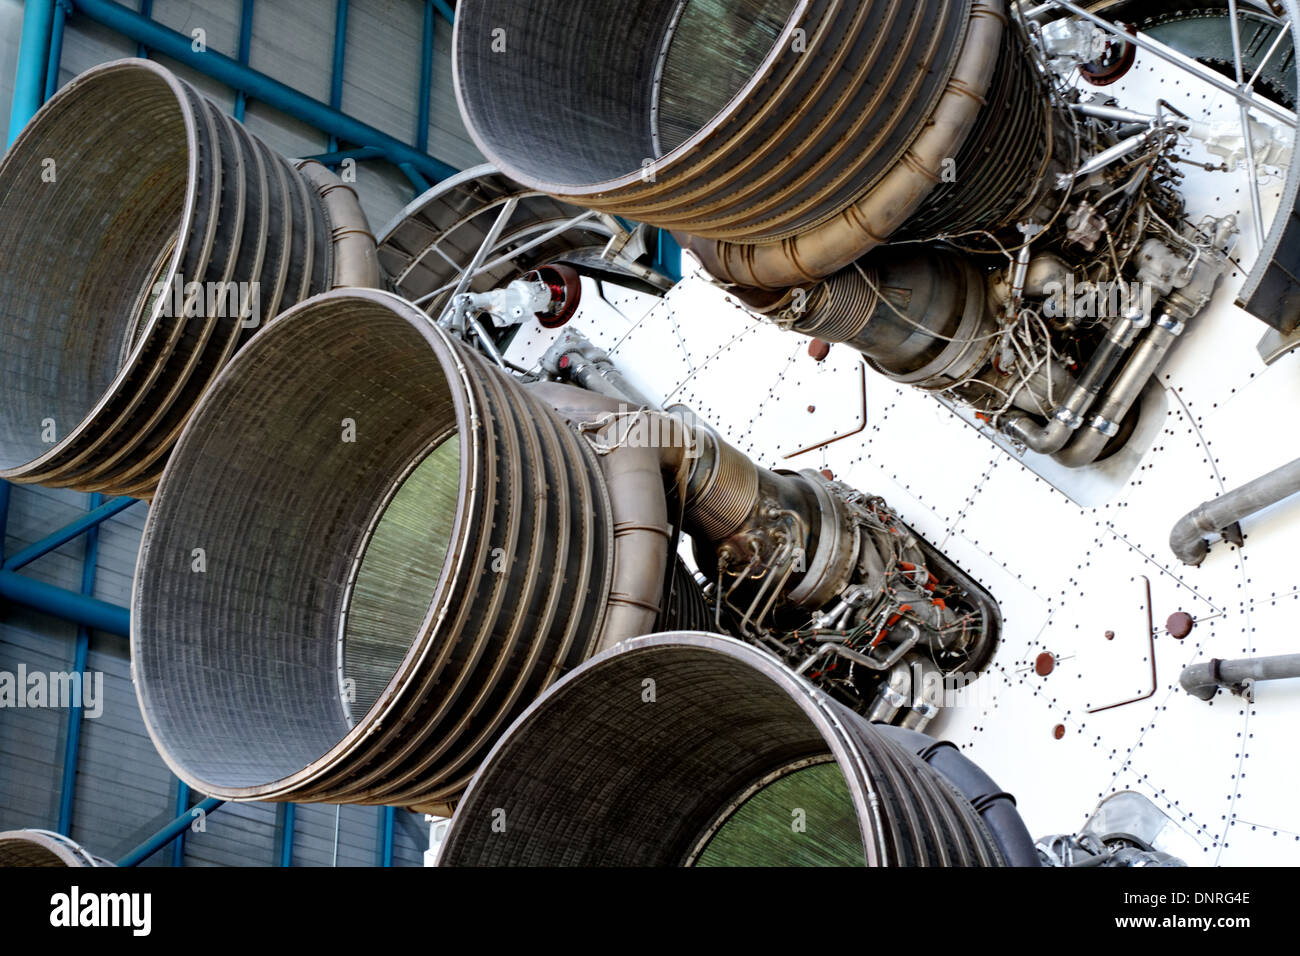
point(1068, 418)
point(1108, 428)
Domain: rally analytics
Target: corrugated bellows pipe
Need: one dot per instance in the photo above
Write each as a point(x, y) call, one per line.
point(691, 749)
point(144, 237)
point(23, 848)
point(786, 137)
point(369, 552)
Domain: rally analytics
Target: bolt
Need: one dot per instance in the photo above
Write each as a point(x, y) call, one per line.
point(1045, 663)
point(811, 409)
point(1110, 635)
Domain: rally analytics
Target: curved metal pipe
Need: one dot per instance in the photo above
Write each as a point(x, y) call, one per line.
point(1187, 539)
point(369, 552)
point(147, 237)
point(44, 848)
point(1087, 444)
point(649, 755)
point(1204, 680)
point(727, 503)
point(1050, 438)
point(356, 259)
point(634, 474)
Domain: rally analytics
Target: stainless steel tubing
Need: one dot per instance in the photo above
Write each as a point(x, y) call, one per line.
point(44, 848)
point(664, 751)
point(144, 237)
point(1050, 438)
point(1087, 444)
point(785, 137)
point(369, 552)
point(576, 357)
point(1204, 680)
point(1188, 537)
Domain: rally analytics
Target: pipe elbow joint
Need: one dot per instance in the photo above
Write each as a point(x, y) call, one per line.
point(1187, 539)
point(1187, 543)
point(1043, 439)
point(1201, 680)
point(1085, 448)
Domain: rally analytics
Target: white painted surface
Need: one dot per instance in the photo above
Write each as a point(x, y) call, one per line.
point(1064, 573)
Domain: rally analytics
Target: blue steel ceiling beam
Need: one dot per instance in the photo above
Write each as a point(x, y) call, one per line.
point(422, 91)
point(69, 605)
point(386, 817)
point(340, 61)
point(5, 488)
point(421, 184)
point(61, 10)
point(33, 62)
point(168, 833)
point(338, 156)
point(257, 85)
point(79, 608)
point(286, 834)
point(182, 808)
point(80, 657)
point(146, 11)
point(426, 79)
point(245, 51)
point(91, 519)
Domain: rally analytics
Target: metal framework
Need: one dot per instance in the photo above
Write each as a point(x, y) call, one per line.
point(40, 53)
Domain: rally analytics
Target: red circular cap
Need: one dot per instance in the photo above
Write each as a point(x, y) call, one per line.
point(819, 349)
point(1180, 624)
point(828, 474)
point(566, 278)
point(1058, 731)
point(1106, 73)
point(1045, 663)
point(564, 361)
